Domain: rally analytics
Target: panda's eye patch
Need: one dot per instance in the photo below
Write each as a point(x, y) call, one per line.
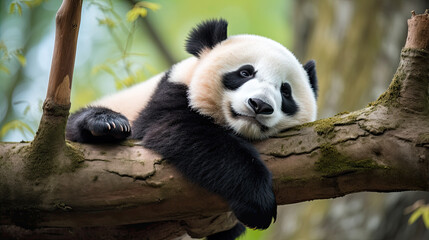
point(289, 105)
point(286, 90)
point(235, 79)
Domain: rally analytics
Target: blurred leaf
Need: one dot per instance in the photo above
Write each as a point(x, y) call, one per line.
point(426, 216)
point(27, 106)
point(33, 3)
point(3, 46)
point(103, 67)
point(21, 59)
point(100, 5)
point(15, 124)
point(140, 9)
point(128, 81)
point(118, 85)
point(12, 8)
point(416, 214)
point(4, 68)
point(152, 70)
point(149, 5)
point(4, 50)
point(134, 13)
point(108, 22)
point(18, 6)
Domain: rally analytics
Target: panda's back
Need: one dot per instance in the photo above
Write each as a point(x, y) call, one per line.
point(131, 101)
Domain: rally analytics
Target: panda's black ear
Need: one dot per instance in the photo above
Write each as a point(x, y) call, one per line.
point(310, 68)
point(206, 35)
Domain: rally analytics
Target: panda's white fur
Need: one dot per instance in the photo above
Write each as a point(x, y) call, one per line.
point(274, 65)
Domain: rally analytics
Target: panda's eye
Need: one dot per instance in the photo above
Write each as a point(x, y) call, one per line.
point(286, 90)
point(245, 73)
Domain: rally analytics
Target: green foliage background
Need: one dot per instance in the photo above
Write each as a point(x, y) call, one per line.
point(112, 53)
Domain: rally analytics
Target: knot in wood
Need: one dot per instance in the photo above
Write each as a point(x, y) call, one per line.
point(52, 109)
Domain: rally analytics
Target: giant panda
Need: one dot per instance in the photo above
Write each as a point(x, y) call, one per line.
point(203, 113)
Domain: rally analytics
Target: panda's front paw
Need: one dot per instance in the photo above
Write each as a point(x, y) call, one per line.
point(110, 124)
point(257, 212)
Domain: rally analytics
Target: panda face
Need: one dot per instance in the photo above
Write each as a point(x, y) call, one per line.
point(252, 85)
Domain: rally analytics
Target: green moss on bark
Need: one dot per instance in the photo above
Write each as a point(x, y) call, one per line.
point(332, 163)
point(41, 164)
point(293, 181)
point(391, 96)
point(49, 153)
point(325, 127)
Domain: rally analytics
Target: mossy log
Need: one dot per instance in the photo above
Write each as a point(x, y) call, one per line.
point(98, 189)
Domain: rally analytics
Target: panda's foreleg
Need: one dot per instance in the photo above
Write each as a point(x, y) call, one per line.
point(97, 124)
point(218, 161)
point(215, 159)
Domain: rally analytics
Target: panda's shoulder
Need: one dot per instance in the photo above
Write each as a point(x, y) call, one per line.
point(182, 72)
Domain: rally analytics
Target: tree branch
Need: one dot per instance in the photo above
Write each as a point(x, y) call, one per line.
point(384, 147)
point(47, 150)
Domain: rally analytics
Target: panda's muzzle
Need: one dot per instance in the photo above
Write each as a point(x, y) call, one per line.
point(248, 118)
point(260, 107)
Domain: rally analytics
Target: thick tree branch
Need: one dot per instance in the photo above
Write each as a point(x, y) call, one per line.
point(384, 147)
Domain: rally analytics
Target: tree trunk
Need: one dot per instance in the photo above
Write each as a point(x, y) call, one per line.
point(376, 31)
point(384, 147)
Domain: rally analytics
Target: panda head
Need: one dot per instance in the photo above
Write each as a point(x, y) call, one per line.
point(250, 84)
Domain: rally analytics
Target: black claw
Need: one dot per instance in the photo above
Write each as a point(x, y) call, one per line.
point(97, 124)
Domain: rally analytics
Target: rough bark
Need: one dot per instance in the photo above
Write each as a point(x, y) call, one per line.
point(384, 147)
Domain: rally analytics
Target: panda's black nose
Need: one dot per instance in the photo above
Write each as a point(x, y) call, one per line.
point(260, 107)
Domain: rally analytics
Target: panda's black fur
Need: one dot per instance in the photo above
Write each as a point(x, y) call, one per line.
point(206, 35)
point(209, 154)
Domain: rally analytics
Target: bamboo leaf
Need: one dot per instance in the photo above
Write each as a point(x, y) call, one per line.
point(4, 69)
point(27, 109)
point(149, 5)
point(28, 3)
point(33, 3)
point(22, 60)
point(134, 13)
point(108, 22)
point(118, 85)
point(19, 9)
point(15, 124)
point(12, 8)
point(128, 81)
point(103, 67)
point(416, 214)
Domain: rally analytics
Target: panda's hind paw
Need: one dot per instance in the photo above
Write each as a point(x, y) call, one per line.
point(109, 125)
